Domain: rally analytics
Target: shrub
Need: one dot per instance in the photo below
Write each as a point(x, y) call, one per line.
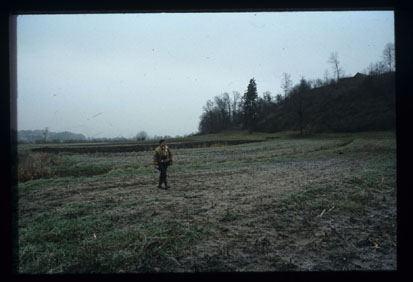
point(32, 166)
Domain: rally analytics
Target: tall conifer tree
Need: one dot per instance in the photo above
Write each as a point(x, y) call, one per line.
point(250, 106)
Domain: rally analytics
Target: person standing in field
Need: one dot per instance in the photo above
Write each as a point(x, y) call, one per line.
point(162, 159)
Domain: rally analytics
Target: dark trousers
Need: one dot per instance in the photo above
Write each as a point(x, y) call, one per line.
point(162, 176)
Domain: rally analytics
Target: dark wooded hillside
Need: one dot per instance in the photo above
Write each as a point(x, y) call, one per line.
point(359, 103)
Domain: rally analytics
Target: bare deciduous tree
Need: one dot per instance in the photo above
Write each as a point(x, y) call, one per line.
point(236, 105)
point(141, 136)
point(377, 68)
point(286, 83)
point(222, 107)
point(278, 98)
point(389, 56)
point(267, 97)
point(318, 83)
point(227, 101)
point(334, 61)
point(236, 99)
point(297, 98)
point(45, 134)
point(326, 77)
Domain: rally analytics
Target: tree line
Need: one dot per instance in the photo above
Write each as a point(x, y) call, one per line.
point(281, 112)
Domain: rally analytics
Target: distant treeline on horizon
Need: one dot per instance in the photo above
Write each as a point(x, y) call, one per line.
point(45, 136)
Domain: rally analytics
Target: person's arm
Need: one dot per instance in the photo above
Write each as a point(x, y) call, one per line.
point(155, 159)
point(170, 157)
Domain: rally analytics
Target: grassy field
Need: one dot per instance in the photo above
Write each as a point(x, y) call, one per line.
point(325, 202)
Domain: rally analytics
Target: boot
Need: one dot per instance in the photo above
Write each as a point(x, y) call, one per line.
point(160, 184)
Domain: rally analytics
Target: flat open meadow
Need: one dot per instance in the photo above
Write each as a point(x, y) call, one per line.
point(285, 203)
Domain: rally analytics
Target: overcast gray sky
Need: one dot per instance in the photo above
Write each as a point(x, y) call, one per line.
point(110, 75)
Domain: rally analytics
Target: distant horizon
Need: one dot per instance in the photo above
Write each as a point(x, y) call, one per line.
point(149, 137)
point(114, 75)
point(156, 137)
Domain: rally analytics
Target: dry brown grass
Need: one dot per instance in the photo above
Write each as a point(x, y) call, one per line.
point(34, 166)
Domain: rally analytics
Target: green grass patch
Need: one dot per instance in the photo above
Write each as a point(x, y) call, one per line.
point(348, 198)
point(80, 165)
point(38, 184)
point(113, 173)
point(378, 162)
point(82, 169)
point(78, 238)
point(278, 151)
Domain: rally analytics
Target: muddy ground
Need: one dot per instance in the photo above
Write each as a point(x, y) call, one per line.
point(247, 196)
